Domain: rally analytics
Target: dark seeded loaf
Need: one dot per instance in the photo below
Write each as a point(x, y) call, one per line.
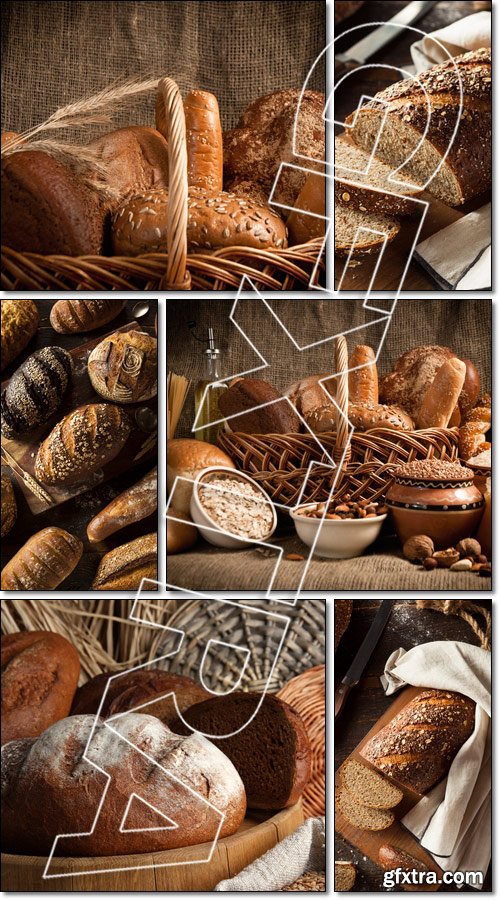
point(35, 390)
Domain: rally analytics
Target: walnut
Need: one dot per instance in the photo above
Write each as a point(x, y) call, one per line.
point(446, 558)
point(418, 548)
point(469, 547)
point(430, 563)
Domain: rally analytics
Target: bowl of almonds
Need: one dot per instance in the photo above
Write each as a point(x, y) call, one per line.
point(339, 530)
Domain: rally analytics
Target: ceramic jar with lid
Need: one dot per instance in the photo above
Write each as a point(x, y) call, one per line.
point(437, 498)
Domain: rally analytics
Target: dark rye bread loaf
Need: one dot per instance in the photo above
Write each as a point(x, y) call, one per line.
point(373, 191)
point(418, 746)
point(76, 316)
point(40, 673)
point(19, 322)
point(51, 786)
point(404, 109)
point(272, 753)
point(86, 439)
point(130, 689)
point(35, 390)
point(244, 395)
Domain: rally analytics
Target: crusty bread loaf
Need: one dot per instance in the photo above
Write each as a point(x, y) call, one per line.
point(134, 158)
point(185, 779)
point(441, 397)
point(391, 857)
point(406, 109)
point(132, 505)
point(369, 787)
point(181, 535)
point(342, 617)
point(125, 567)
point(415, 370)
point(244, 395)
point(35, 390)
point(128, 689)
point(186, 458)
point(272, 753)
point(363, 376)
point(171, 695)
point(364, 416)
point(40, 673)
point(76, 316)
point(43, 562)
point(9, 505)
point(84, 441)
point(123, 368)
point(362, 816)
point(364, 183)
point(19, 322)
point(314, 401)
point(418, 746)
point(204, 140)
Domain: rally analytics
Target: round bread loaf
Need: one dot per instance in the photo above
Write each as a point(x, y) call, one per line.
point(214, 220)
point(414, 372)
point(378, 415)
point(135, 159)
point(19, 322)
point(124, 367)
point(186, 780)
point(241, 400)
point(48, 209)
point(9, 505)
point(264, 138)
point(76, 316)
point(129, 689)
point(35, 390)
point(186, 458)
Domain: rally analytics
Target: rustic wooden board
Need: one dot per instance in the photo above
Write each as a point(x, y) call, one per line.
point(258, 833)
point(369, 842)
point(138, 449)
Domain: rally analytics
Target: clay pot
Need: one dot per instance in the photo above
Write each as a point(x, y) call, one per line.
point(445, 510)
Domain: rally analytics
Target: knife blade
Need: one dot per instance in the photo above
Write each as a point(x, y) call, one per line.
point(364, 653)
point(360, 52)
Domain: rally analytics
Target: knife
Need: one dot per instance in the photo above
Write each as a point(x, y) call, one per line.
point(363, 655)
point(360, 52)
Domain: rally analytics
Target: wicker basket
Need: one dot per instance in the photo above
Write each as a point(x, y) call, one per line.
point(306, 693)
point(280, 462)
point(277, 270)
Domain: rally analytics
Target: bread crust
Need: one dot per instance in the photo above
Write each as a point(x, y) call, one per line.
point(124, 568)
point(123, 368)
point(77, 316)
point(441, 397)
point(9, 505)
point(130, 689)
point(43, 562)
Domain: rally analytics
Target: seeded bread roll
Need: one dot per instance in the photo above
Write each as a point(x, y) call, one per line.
point(35, 390)
point(132, 505)
point(124, 367)
point(246, 394)
point(76, 316)
point(215, 220)
point(19, 322)
point(9, 505)
point(46, 559)
point(86, 439)
point(362, 183)
point(363, 232)
point(124, 568)
point(377, 415)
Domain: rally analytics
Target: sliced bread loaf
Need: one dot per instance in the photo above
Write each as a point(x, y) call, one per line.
point(345, 876)
point(373, 191)
point(362, 816)
point(347, 223)
point(368, 787)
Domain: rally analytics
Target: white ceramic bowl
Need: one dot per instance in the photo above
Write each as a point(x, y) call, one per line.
point(338, 538)
point(200, 516)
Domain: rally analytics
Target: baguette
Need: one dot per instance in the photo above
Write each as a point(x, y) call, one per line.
point(441, 397)
point(35, 390)
point(418, 746)
point(363, 383)
point(84, 441)
point(124, 568)
point(132, 505)
point(76, 316)
point(44, 561)
point(204, 141)
point(20, 320)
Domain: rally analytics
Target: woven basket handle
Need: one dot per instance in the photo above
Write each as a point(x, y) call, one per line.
point(342, 423)
point(172, 125)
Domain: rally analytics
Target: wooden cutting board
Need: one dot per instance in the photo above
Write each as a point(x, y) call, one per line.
point(388, 277)
point(369, 842)
point(139, 447)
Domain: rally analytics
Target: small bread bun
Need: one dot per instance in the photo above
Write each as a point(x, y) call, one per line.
point(180, 535)
point(135, 159)
point(186, 457)
point(215, 220)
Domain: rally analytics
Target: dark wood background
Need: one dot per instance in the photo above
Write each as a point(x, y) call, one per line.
point(75, 514)
point(408, 627)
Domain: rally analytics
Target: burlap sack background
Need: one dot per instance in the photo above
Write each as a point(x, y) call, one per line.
point(463, 325)
point(54, 53)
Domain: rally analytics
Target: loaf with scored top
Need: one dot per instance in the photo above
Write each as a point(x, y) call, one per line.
point(43, 562)
point(125, 567)
point(123, 368)
point(35, 390)
point(76, 316)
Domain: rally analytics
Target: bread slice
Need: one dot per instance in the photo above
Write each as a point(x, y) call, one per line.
point(362, 816)
point(347, 222)
point(345, 876)
point(369, 787)
point(373, 192)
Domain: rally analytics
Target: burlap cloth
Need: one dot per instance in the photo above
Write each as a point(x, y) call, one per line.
point(59, 52)
point(463, 325)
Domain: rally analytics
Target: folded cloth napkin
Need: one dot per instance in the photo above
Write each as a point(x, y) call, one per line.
point(459, 257)
point(300, 852)
point(453, 821)
point(470, 33)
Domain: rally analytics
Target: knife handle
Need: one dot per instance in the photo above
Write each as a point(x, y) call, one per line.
point(341, 695)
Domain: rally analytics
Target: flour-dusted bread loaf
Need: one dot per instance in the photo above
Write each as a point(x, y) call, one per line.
point(20, 320)
point(364, 184)
point(76, 316)
point(418, 746)
point(86, 439)
point(129, 690)
point(403, 108)
point(40, 673)
point(43, 562)
point(132, 505)
point(35, 390)
point(123, 368)
point(363, 232)
point(50, 789)
point(272, 753)
point(9, 505)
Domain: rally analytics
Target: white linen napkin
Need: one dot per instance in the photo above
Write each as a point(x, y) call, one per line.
point(453, 821)
point(470, 33)
point(459, 257)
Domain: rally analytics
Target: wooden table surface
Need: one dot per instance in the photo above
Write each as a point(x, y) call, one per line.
point(75, 514)
point(407, 627)
point(396, 54)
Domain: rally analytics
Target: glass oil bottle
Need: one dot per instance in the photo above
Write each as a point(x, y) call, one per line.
point(207, 392)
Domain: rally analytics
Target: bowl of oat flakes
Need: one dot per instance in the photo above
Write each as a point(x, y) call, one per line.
point(230, 509)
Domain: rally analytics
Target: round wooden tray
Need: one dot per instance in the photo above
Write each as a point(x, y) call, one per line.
point(168, 871)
